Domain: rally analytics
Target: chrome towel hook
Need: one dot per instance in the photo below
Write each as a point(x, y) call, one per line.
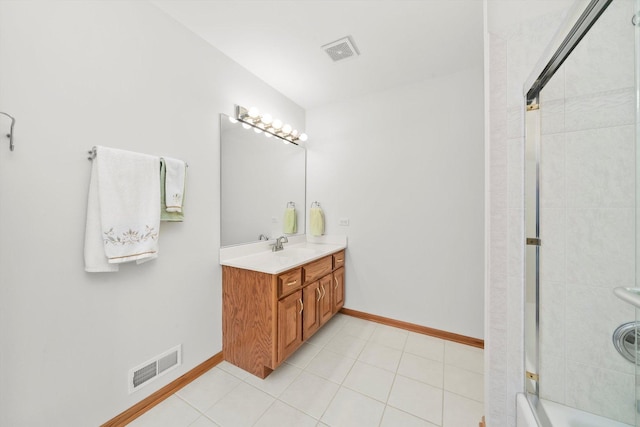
point(10, 134)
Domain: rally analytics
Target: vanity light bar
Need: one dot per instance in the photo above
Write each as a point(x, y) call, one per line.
point(267, 124)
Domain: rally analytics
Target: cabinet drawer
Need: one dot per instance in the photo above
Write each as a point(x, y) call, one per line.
point(338, 260)
point(317, 269)
point(289, 282)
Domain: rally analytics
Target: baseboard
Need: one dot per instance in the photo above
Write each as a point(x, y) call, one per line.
point(152, 400)
point(449, 336)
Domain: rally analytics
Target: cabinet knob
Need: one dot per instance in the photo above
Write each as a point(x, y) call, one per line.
point(292, 283)
point(319, 294)
point(301, 305)
point(336, 280)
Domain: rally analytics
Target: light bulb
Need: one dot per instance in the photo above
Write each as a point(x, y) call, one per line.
point(277, 124)
point(286, 129)
point(303, 137)
point(253, 112)
point(257, 130)
point(246, 126)
point(267, 119)
point(232, 120)
point(268, 135)
point(294, 133)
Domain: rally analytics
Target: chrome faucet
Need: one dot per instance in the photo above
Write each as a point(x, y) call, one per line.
point(263, 237)
point(277, 246)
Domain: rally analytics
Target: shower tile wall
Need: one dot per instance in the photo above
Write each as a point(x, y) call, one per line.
point(513, 52)
point(587, 220)
point(512, 55)
point(587, 180)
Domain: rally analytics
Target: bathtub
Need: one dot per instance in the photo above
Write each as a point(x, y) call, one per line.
point(558, 416)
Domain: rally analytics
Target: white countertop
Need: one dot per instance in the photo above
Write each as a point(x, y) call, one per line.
point(297, 252)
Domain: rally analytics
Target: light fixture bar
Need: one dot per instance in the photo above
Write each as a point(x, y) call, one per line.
point(269, 125)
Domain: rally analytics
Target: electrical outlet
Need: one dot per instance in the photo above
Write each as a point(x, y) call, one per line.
point(343, 221)
point(274, 220)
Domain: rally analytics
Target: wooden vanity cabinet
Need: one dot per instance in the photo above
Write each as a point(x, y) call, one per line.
point(338, 289)
point(310, 316)
point(266, 317)
point(326, 302)
point(337, 297)
point(289, 324)
point(318, 305)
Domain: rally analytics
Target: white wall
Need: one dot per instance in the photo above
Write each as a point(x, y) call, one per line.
point(405, 166)
point(120, 74)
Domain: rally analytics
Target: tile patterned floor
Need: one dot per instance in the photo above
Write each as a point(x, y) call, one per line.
point(350, 373)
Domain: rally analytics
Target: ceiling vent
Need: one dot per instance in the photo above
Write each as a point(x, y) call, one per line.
point(342, 49)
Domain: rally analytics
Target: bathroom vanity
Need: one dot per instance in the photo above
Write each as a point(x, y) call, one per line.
point(274, 301)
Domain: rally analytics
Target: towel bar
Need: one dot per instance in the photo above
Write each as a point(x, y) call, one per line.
point(93, 153)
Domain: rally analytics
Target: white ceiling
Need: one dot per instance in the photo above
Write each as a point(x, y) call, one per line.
point(280, 41)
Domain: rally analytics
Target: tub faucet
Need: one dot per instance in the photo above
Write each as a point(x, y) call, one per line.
point(278, 245)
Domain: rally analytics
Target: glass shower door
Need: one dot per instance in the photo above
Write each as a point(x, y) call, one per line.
point(584, 161)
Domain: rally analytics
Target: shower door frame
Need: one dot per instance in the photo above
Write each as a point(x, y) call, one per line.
point(579, 21)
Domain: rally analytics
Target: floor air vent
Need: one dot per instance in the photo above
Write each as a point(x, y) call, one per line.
point(154, 368)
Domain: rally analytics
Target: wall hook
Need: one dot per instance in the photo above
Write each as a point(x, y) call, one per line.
point(10, 134)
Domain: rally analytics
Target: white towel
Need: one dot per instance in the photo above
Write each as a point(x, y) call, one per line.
point(174, 183)
point(123, 212)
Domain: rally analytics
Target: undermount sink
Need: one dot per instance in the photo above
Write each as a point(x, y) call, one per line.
point(295, 252)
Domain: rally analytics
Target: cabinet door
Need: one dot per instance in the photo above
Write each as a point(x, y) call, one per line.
point(338, 289)
point(310, 316)
point(326, 302)
point(289, 324)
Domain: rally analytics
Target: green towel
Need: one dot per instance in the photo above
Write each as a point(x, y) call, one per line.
point(316, 222)
point(289, 223)
point(164, 215)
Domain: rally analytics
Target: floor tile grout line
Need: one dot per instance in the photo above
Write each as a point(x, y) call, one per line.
point(442, 407)
point(464, 397)
point(413, 415)
point(298, 409)
point(372, 339)
point(217, 400)
point(380, 367)
point(465, 369)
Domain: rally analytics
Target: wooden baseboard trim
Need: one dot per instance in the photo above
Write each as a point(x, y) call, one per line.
point(449, 336)
point(152, 400)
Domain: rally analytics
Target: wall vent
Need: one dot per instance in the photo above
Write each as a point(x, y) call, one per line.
point(145, 373)
point(341, 49)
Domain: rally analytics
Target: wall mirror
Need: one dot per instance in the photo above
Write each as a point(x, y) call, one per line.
point(259, 177)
